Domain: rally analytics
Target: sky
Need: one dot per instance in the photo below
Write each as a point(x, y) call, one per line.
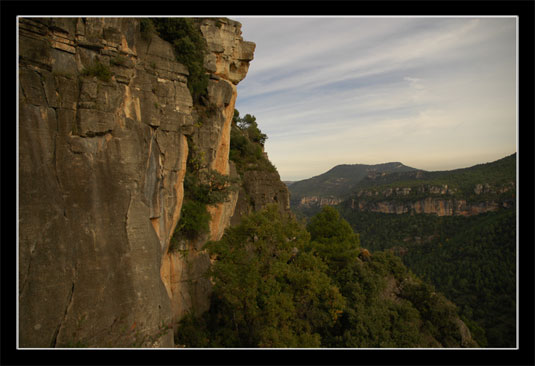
point(434, 93)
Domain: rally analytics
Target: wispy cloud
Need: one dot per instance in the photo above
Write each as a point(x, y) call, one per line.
point(329, 91)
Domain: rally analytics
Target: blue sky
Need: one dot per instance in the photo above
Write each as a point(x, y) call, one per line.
point(434, 93)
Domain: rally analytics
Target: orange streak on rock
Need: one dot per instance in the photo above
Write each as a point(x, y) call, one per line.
point(167, 268)
point(221, 165)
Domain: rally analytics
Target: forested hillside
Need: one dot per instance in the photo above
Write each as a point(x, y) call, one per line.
point(472, 260)
point(279, 284)
point(468, 252)
point(456, 229)
point(490, 181)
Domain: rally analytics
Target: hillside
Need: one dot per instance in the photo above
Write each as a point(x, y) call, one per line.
point(455, 229)
point(329, 188)
point(396, 188)
point(279, 284)
point(493, 181)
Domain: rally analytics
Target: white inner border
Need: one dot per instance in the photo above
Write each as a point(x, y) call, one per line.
point(263, 16)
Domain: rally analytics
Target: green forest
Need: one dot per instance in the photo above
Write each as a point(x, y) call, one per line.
point(472, 260)
point(279, 283)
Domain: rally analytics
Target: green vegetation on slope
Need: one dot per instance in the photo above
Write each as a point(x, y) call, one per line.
point(189, 46)
point(277, 284)
point(202, 187)
point(340, 180)
point(475, 267)
point(469, 259)
point(461, 183)
point(264, 294)
point(247, 145)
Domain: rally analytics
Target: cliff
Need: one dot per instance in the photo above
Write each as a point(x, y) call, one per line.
point(437, 200)
point(106, 125)
point(259, 188)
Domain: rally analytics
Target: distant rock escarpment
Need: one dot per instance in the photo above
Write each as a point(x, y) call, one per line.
point(393, 188)
point(465, 192)
point(437, 200)
point(106, 125)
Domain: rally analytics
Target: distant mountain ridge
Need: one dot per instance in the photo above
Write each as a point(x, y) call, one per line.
point(468, 191)
point(389, 187)
point(332, 186)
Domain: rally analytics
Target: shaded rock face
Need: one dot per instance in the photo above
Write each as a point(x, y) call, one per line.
point(260, 188)
point(101, 170)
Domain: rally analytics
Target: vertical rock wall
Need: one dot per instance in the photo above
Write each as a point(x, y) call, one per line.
point(101, 170)
point(227, 61)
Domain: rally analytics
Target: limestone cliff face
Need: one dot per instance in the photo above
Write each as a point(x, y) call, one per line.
point(429, 205)
point(228, 62)
point(310, 201)
point(101, 171)
point(439, 200)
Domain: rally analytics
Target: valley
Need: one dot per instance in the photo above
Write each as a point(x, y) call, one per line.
point(455, 229)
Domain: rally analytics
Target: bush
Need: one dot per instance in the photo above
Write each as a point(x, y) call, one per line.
point(194, 220)
point(208, 187)
point(118, 60)
point(147, 28)
point(101, 71)
point(189, 46)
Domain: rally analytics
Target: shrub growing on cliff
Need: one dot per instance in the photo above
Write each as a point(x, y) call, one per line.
point(146, 28)
point(194, 220)
point(189, 46)
point(250, 126)
point(101, 71)
point(202, 187)
point(208, 186)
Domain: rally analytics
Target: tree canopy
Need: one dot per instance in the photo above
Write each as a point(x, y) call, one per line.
point(278, 285)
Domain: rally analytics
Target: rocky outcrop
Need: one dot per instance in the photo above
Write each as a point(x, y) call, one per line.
point(105, 117)
point(228, 61)
point(258, 189)
point(318, 201)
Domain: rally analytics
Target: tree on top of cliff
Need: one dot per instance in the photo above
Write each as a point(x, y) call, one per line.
point(247, 143)
point(250, 126)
